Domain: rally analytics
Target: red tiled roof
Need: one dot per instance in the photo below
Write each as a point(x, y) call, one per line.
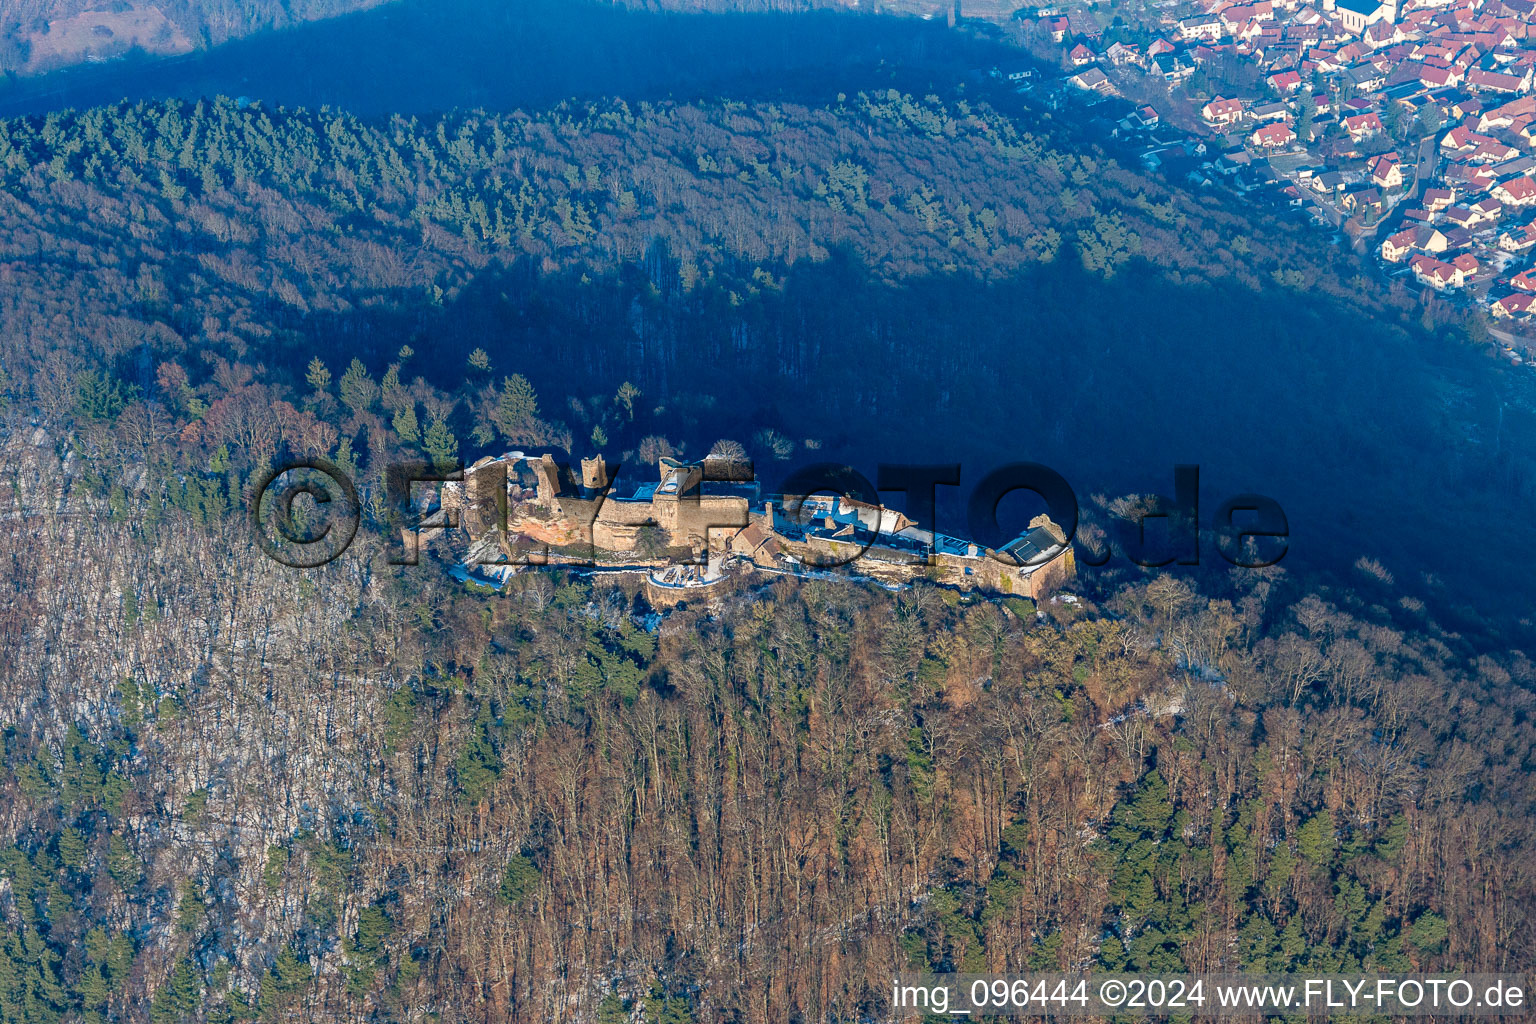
point(1523, 187)
point(1478, 78)
point(1514, 305)
point(1428, 266)
point(1274, 135)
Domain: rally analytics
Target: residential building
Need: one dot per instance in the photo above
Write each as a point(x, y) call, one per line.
point(1386, 171)
point(1437, 275)
point(1273, 136)
point(1222, 111)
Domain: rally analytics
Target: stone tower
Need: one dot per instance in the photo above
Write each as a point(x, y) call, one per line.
point(594, 473)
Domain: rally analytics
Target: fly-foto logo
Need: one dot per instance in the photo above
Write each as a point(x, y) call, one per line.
point(308, 512)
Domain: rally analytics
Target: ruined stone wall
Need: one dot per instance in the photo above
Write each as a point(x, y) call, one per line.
point(618, 524)
point(689, 521)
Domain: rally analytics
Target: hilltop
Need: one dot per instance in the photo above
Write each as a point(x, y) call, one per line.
point(242, 790)
point(883, 274)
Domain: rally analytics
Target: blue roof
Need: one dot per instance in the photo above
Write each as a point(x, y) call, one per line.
point(815, 522)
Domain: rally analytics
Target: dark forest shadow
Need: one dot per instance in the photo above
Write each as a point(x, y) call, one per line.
point(1378, 442)
point(422, 56)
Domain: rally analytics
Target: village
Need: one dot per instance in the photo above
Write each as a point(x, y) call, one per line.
point(1409, 129)
point(691, 525)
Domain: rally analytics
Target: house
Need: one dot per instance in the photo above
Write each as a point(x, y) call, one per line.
point(1488, 208)
point(1158, 47)
point(1438, 77)
point(1080, 55)
point(1365, 78)
point(1247, 33)
point(1231, 162)
point(1351, 52)
point(1329, 181)
point(1436, 199)
point(1284, 82)
point(1462, 217)
point(1222, 111)
point(1057, 27)
point(1260, 173)
point(1363, 201)
point(1121, 54)
point(1396, 248)
point(1296, 197)
point(1463, 139)
point(1272, 111)
point(1470, 178)
point(1467, 106)
point(1355, 15)
point(1431, 239)
point(1091, 80)
point(1236, 16)
point(1272, 136)
point(1386, 171)
point(1146, 116)
point(1519, 165)
point(1424, 238)
point(1204, 26)
point(1508, 114)
point(1382, 34)
point(1456, 238)
point(1328, 61)
point(1519, 191)
point(1518, 239)
point(1497, 81)
point(1516, 305)
point(1493, 152)
point(1363, 126)
point(1174, 67)
point(1437, 275)
point(1467, 264)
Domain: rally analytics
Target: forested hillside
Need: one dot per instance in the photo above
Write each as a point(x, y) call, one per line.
point(236, 791)
point(178, 259)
